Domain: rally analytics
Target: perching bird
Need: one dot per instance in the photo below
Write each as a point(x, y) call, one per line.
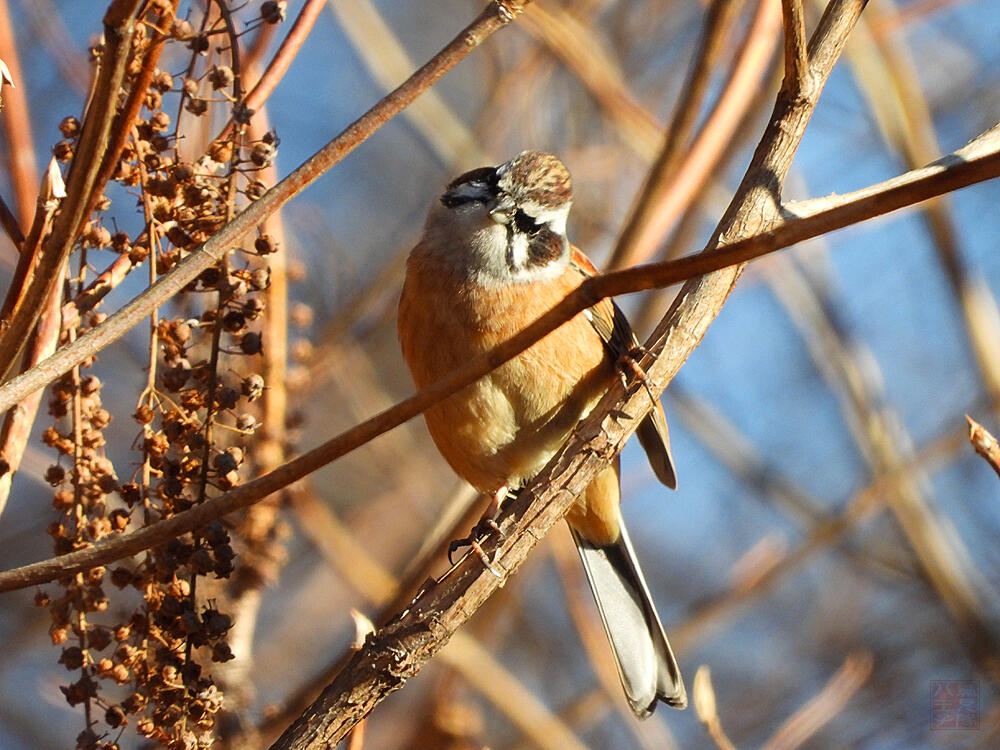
point(493, 258)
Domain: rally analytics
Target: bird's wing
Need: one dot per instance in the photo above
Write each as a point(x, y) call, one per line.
point(613, 327)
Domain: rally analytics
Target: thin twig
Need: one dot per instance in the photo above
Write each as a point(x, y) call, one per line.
point(984, 443)
point(978, 161)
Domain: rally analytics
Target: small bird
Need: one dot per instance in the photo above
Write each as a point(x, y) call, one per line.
point(492, 259)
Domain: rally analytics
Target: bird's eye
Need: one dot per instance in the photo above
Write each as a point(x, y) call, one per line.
point(526, 223)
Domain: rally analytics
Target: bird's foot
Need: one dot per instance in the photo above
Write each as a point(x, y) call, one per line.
point(629, 362)
point(481, 531)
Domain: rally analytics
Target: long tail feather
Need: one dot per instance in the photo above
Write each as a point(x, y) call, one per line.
point(646, 665)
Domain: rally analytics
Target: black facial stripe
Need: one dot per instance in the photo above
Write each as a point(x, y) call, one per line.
point(526, 223)
point(545, 246)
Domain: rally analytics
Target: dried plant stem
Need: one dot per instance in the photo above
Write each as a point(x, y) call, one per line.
point(583, 53)
point(19, 420)
point(939, 550)
point(493, 18)
point(118, 31)
point(978, 161)
point(718, 22)
point(796, 55)
point(821, 537)
point(44, 339)
point(17, 125)
point(674, 184)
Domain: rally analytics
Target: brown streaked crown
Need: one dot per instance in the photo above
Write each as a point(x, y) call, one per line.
point(537, 178)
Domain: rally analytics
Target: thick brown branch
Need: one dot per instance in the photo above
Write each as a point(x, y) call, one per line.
point(978, 161)
point(401, 648)
point(796, 57)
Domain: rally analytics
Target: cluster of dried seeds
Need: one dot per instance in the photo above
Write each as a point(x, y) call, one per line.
point(149, 665)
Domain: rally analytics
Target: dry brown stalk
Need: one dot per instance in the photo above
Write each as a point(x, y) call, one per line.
point(718, 22)
point(984, 443)
point(118, 30)
point(582, 52)
point(17, 125)
point(703, 695)
point(796, 55)
point(821, 537)
point(887, 75)
point(980, 160)
point(675, 184)
point(19, 420)
point(938, 549)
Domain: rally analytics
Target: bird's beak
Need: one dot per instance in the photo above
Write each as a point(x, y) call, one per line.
point(502, 210)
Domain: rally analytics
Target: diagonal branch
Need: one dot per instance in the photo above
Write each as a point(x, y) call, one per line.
point(496, 15)
point(978, 161)
point(400, 649)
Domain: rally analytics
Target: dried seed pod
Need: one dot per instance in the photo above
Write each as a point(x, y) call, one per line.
point(246, 423)
point(253, 386)
point(63, 151)
point(255, 189)
point(162, 81)
point(160, 121)
point(234, 321)
point(261, 154)
point(198, 44)
point(265, 244)
point(251, 343)
point(55, 474)
point(69, 127)
point(196, 107)
point(273, 11)
point(221, 77)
